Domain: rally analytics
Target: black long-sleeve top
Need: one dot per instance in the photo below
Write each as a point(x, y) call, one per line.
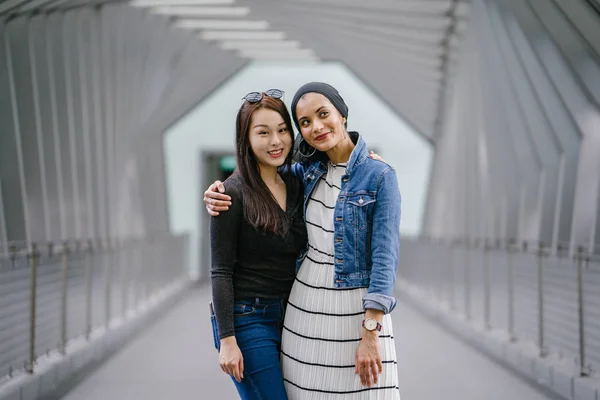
point(249, 263)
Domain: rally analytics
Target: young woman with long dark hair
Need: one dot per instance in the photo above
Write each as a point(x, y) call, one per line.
point(254, 248)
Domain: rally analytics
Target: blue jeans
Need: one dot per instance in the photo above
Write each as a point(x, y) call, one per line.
point(258, 323)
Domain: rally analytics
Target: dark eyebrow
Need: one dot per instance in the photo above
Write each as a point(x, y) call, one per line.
point(266, 126)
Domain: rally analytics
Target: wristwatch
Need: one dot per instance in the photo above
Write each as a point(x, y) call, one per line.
point(371, 324)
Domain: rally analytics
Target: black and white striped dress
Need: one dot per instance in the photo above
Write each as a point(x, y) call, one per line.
point(322, 327)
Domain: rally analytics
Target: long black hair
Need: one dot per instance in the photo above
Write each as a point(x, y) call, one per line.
point(261, 209)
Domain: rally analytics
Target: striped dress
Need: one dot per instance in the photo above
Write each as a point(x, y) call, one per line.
point(322, 327)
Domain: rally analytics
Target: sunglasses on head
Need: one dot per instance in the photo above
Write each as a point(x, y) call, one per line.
point(255, 97)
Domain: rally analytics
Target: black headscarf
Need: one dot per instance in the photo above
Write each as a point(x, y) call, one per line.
point(326, 90)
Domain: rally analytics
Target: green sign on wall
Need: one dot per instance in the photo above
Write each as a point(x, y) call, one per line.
point(227, 163)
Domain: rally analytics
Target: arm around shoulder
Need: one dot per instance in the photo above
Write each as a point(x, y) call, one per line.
point(224, 232)
point(298, 169)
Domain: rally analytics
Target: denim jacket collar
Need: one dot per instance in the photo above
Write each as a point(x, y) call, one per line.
point(359, 154)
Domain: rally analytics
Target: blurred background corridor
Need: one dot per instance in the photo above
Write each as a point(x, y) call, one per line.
point(116, 115)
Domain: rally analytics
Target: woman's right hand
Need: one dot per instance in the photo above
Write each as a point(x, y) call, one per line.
point(215, 199)
point(230, 358)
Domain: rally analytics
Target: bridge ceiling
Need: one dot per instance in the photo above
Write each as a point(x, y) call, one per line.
point(403, 49)
point(15, 8)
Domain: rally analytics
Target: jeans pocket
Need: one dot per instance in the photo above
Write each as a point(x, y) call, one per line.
point(215, 332)
point(243, 309)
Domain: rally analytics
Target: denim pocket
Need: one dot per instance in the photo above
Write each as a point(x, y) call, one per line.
point(359, 207)
point(243, 309)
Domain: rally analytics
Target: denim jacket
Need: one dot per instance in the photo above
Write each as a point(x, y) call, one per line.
point(366, 225)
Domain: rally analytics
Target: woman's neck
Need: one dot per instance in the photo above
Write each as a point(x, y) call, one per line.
point(269, 175)
point(342, 151)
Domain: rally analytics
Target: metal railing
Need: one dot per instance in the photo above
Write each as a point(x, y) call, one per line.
point(52, 293)
point(533, 293)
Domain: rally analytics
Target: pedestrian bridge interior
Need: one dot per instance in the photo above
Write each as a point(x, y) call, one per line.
point(499, 287)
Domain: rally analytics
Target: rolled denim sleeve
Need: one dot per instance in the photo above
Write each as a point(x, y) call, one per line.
point(385, 245)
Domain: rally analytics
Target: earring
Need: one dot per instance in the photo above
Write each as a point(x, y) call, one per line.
point(307, 147)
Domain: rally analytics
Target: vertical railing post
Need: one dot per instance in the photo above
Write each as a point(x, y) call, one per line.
point(152, 269)
point(12, 251)
point(64, 294)
point(164, 262)
point(139, 257)
point(540, 289)
point(510, 247)
point(468, 278)
point(157, 264)
point(107, 283)
point(88, 288)
point(124, 266)
point(559, 250)
point(147, 267)
point(34, 257)
point(583, 369)
point(135, 279)
point(452, 289)
point(50, 249)
point(438, 280)
point(444, 278)
point(487, 285)
point(124, 274)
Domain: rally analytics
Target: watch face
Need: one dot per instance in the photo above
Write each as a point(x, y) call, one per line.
point(370, 324)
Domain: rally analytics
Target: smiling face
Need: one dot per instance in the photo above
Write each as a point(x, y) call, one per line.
point(269, 138)
point(321, 124)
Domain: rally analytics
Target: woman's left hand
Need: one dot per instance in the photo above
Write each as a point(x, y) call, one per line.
point(375, 156)
point(368, 358)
